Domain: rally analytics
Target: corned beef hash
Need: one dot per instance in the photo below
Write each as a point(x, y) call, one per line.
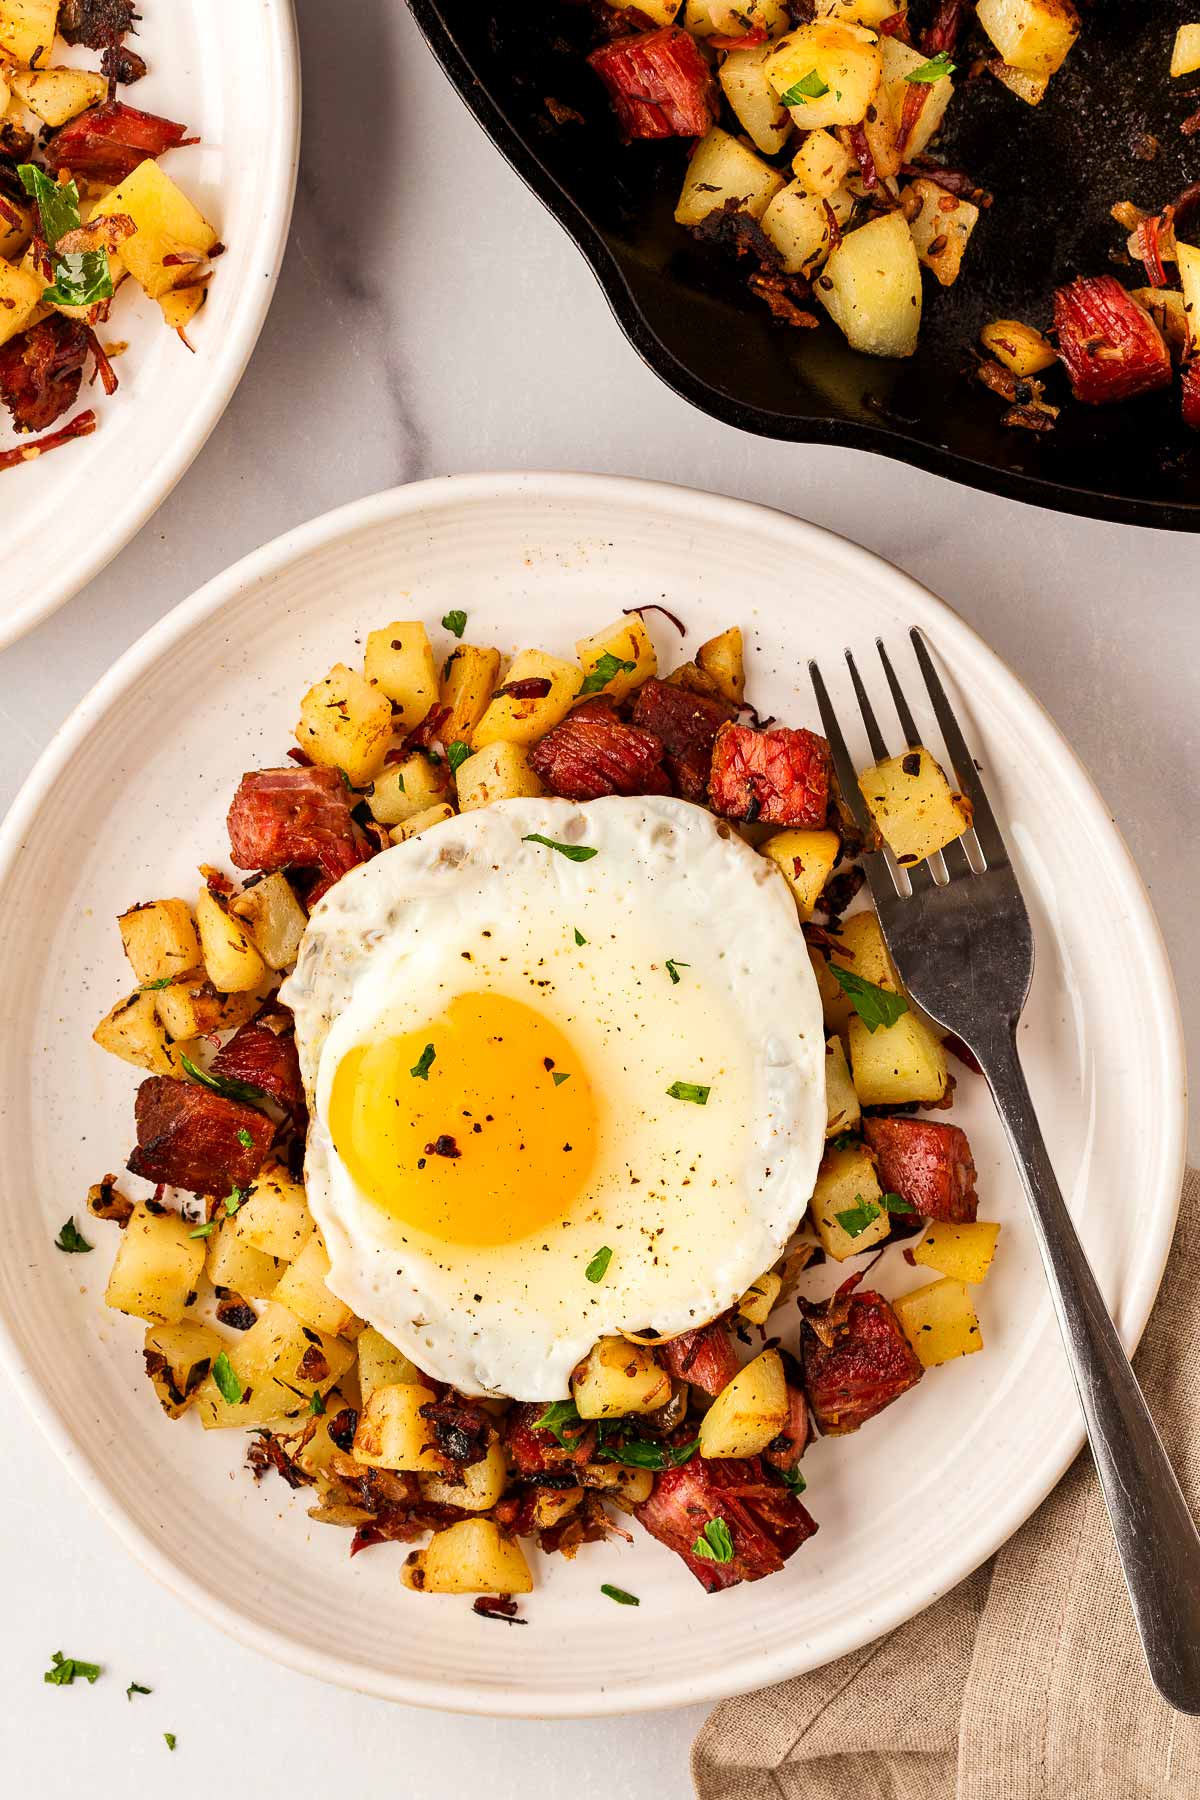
point(84, 203)
point(490, 1219)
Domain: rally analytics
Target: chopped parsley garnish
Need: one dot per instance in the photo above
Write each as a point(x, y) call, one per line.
point(597, 1269)
point(603, 672)
point(874, 1005)
point(455, 622)
point(934, 70)
point(845, 1140)
point(64, 1669)
point(694, 1091)
point(572, 852)
point(794, 1481)
point(559, 1417)
point(71, 1239)
point(135, 1687)
point(714, 1543)
point(642, 1453)
point(420, 1069)
point(809, 87)
point(896, 1203)
point(81, 278)
point(673, 969)
point(169, 1739)
point(228, 1382)
point(233, 1200)
point(558, 1076)
point(244, 1138)
point(205, 1230)
point(620, 1595)
point(856, 1218)
point(579, 937)
point(221, 1084)
point(457, 754)
point(316, 1404)
point(150, 987)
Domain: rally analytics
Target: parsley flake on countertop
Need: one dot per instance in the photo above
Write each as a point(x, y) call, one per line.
point(71, 1239)
point(620, 1595)
point(856, 1218)
point(455, 622)
point(694, 1091)
point(874, 1005)
point(673, 969)
point(714, 1543)
point(607, 666)
point(572, 852)
point(809, 87)
point(169, 1739)
point(135, 1687)
point(228, 1382)
point(597, 1269)
point(457, 754)
point(221, 1084)
point(579, 937)
point(935, 69)
point(64, 1669)
point(422, 1066)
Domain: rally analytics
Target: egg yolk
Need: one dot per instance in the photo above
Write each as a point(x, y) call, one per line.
point(477, 1128)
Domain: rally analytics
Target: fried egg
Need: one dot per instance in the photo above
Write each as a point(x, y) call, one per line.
point(566, 1077)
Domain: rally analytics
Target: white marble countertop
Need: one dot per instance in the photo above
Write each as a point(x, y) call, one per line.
point(432, 318)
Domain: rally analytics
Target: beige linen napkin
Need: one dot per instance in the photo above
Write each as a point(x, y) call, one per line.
point(1025, 1683)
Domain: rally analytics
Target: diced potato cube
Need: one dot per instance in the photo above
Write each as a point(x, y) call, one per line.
point(160, 939)
point(913, 805)
point(805, 859)
point(964, 1252)
point(468, 677)
point(280, 1364)
point(20, 295)
point(232, 1262)
point(827, 73)
point(134, 1032)
point(941, 226)
point(317, 1450)
point(399, 662)
point(380, 1364)
point(723, 660)
point(860, 948)
point(843, 1111)
point(16, 230)
point(180, 306)
point(422, 821)
point(834, 1005)
point(899, 61)
point(743, 76)
point(392, 1434)
point(735, 18)
point(404, 789)
point(723, 169)
point(477, 1488)
point(758, 1301)
point(821, 164)
point(897, 1065)
point(56, 95)
point(617, 1377)
point(274, 1216)
point(846, 1183)
point(626, 640)
point(871, 287)
point(178, 1357)
point(749, 1411)
point(1166, 308)
point(472, 1557)
point(511, 720)
point(156, 1268)
point(1031, 35)
point(1027, 87)
point(1018, 347)
point(231, 962)
point(1189, 280)
point(346, 723)
point(27, 29)
point(499, 772)
point(193, 1008)
point(273, 917)
point(797, 223)
point(167, 224)
point(939, 1321)
point(303, 1291)
point(1185, 52)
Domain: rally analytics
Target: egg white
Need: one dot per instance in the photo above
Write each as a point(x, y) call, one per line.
point(694, 1201)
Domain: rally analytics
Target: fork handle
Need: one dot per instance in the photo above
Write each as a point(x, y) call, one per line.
point(1156, 1536)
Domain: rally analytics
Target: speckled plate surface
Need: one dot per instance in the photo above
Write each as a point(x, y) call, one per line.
point(132, 795)
point(230, 71)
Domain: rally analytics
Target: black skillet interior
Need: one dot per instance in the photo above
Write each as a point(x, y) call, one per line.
point(1054, 171)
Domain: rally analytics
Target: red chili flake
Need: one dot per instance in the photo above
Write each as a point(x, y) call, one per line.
point(443, 1146)
point(296, 755)
point(535, 687)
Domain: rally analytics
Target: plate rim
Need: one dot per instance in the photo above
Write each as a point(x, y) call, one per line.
point(270, 239)
point(767, 1667)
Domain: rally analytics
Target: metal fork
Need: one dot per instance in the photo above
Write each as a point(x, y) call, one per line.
point(963, 948)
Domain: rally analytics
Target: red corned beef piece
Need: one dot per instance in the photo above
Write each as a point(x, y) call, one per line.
point(784, 1452)
point(706, 1358)
point(659, 83)
point(869, 1364)
point(41, 369)
point(263, 1052)
point(593, 753)
point(1111, 347)
point(926, 1164)
point(534, 1451)
point(686, 725)
point(107, 142)
point(294, 819)
point(765, 1522)
point(189, 1137)
point(780, 777)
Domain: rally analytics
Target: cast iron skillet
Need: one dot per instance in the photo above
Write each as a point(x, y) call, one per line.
point(1054, 169)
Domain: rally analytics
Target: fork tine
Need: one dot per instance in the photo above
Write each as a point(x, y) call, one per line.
point(875, 738)
point(908, 724)
point(987, 831)
point(842, 763)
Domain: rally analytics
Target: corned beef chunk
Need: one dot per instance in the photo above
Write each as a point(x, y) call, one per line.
point(189, 1137)
point(263, 1053)
point(784, 1452)
point(766, 1523)
point(928, 1165)
point(536, 1452)
point(96, 23)
point(107, 143)
point(593, 753)
point(460, 1428)
point(41, 369)
point(294, 819)
point(1110, 346)
point(686, 724)
point(780, 777)
point(659, 83)
point(706, 1358)
point(857, 1360)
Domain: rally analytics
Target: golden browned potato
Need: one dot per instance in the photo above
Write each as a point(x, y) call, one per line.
point(56, 95)
point(380, 1364)
point(392, 1434)
point(1033, 36)
point(826, 73)
point(27, 29)
point(845, 1207)
point(609, 652)
point(276, 1368)
point(723, 169)
point(521, 717)
point(498, 772)
point(897, 1065)
point(167, 223)
point(758, 1301)
point(160, 939)
point(939, 1321)
point(404, 789)
point(472, 1557)
point(842, 1109)
point(617, 1377)
point(134, 1032)
point(468, 677)
point(821, 164)
point(1019, 347)
point(871, 287)
point(749, 1411)
point(274, 1217)
point(231, 962)
point(399, 662)
point(156, 1268)
point(274, 919)
point(303, 1291)
point(913, 804)
point(941, 226)
point(419, 822)
point(806, 859)
point(180, 306)
point(963, 1252)
point(178, 1357)
point(346, 723)
point(193, 1008)
point(233, 1263)
point(743, 76)
point(476, 1488)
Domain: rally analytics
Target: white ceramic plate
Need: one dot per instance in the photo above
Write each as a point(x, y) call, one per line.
point(230, 71)
point(132, 795)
